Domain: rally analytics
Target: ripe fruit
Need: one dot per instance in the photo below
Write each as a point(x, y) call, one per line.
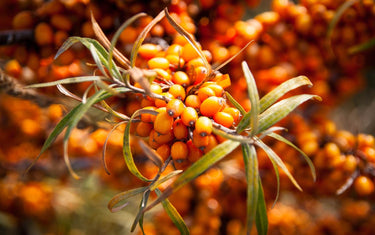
point(364, 186)
point(163, 122)
point(179, 151)
point(175, 107)
point(189, 116)
point(203, 126)
point(211, 106)
point(224, 119)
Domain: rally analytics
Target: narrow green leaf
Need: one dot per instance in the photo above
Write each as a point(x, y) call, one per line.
point(142, 36)
point(98, 61)
point(116, 36)
point(234, 137)
point(281, 109)
point(128, 156)
point(281, 90)
point(307, 159)
point(205, 162)
point(174, 215)
point(261, 219)
point(254, 101)
point(235, 103)
point(67, 81)
point(123, 196)
point(252, 180)
point(165, 178)
point(151, 154)
point(272, 155)
point(56, 131)
point(139, 218)
point(362, 47)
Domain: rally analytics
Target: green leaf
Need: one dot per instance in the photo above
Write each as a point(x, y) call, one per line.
point(98, 61)
point(128, 156)
point(124, 196)
point(197, 168)
point(282, 89)
point(174, 215)
point(117, 35)
point(272, 155)
point(362, 47)
point(250, 119)
point(56, 131)
point(142, 36)
point(67, 81)
point(252, 180)
point(165, 178)
point(307, 159)
point(139, 218)
point(281, 109)
point(151, 154)
point(234, 137)
point(235, 103)
point(261, 219)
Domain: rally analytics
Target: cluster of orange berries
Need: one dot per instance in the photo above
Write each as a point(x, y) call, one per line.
point(189, 105)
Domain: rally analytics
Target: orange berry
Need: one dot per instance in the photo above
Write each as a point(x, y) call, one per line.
point(61, 22)
point(188, 52)
point(129, 35)
point(174, 49)
point(159, 110)
point(204, 93)
point(235, 113)
point(200, 73)
point(179, 151)
point(163, 123)
point(363, 185)
point(193, 101)
point(217, 89)
point(194, 152)
point(43, 34)
point(144, 129)
point(189, 116)
point(180, 130)
point(203, 126)
point(195, 63)
point(176, 61)
point(160, 139)
point(158, 63)
point(161, 103)
point(332, 150)
point(212, 142)
point(148, 50)
point(13, 68)
point(175, 107)
point(211, 106)
point(177, 91)
point(224, 119)
point(23, 20)
point(181, 78)
point(147, 102)
point(164, 151)
point(200, 141)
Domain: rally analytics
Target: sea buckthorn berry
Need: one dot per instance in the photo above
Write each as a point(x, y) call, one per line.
point(365, 140)
point(147, 102)
point(177, 91)
point(200, 73)
point(200, 141)
point(146, 117)
point(224, 119)
point(175, 107)
point(175, 61)
point(217, 89)
point(194, 152)
point(203, 126)
point(152, 141)
point(363, 185)
point(332, 150)
point(155, 88)
point(163, 122)
point(144, 129)
point(159, 110)
point(158, 63)
point(181, 78)
point(163, 138)
point(189, 116)
point(162, 103)
point(211, 106)
point(164, 151)
point(195, 63)
point(193, 101)
point(180, 130)
point(174, 49)
point(212, 142)
point(235, 113)
point(148, 50)
point(188, 52)
point(179, 151)
point(43, 34)
point(204, 93)
point(163, 74)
